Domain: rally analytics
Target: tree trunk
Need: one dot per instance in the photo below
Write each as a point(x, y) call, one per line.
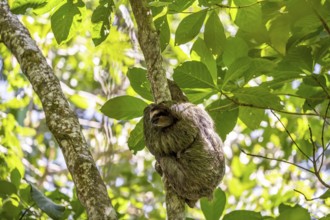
point(61, 120)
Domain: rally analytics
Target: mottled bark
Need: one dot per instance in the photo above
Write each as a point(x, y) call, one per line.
point(149, 43)
point(61, 120)
point(174, 204)
point(150, 46)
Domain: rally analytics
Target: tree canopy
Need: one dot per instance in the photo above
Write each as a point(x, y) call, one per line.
point(260, 68)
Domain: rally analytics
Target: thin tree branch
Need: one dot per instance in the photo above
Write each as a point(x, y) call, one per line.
point(275, 159)
point(324, 148)
point(316, 171)
point(61, 120)
point(324, 23)
point(307, 199)
point(294, 142)
point(149, 43)
point(316, 112)
point(269, 108)
point(26, 211)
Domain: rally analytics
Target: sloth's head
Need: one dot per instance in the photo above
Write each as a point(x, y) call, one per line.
point(161, 116)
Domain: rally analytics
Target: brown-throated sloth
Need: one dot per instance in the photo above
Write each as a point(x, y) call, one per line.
point(187, 149)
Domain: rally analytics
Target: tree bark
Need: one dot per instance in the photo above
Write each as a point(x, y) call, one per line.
point(150, 46)
point(149, 43)
point(61, 120)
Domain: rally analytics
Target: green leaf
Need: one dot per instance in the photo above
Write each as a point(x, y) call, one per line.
point(10, 208)
point(325, 218)
point(257, 96)
point(15, 177)
point(243, 214)
point(136, 138)
point(158, 4)
point(225, 114)
point(279, 33)
point(214, 34)
point(49, 6)
point(234, 49)
point(197, 96)
point(248, 18)
point(20, 6)
point(193, 74)
point(212, 210)
point(66, 20)
point(281, 78)
point(251, 117)
point(200, 49)
point(46, 205)
point(325, 195)
point(101, 21)
point(236, 71)
point(7, 188)
point(179, 5)
point(164, 31)
point(124, 107)
point(189, 27)
point(208, 3)
point(298, 59)
point(139, 82)
point(293, 213)
point(24, 193)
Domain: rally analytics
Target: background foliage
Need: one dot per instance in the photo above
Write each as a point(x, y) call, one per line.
point(261, 69)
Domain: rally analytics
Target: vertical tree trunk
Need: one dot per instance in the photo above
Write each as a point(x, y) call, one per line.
point(149, 43)
point(61, 120)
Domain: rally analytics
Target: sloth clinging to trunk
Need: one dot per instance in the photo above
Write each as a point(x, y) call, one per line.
point(187, 149)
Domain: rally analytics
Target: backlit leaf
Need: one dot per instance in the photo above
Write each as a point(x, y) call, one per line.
point(136, 138)
point(212, 210)
point(189, 27)
point(124, 107)
point(66, 20)
point(214, 34)
point(193, 74)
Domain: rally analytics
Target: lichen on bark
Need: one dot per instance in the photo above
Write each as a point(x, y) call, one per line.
point(150, 46)
point(61, 120)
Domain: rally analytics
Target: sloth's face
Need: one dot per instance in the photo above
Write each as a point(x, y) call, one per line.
point(160, 116)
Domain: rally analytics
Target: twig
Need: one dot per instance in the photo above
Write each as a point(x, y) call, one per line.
point(269, 108)
point(324, 23)
point(316, 171)
point(294, 142)
point(322, 138)
point(307, 199)
point(275, 159)
point(316, 112)
point(26, 211)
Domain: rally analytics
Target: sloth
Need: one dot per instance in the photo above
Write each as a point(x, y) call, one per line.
point(187, 149)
